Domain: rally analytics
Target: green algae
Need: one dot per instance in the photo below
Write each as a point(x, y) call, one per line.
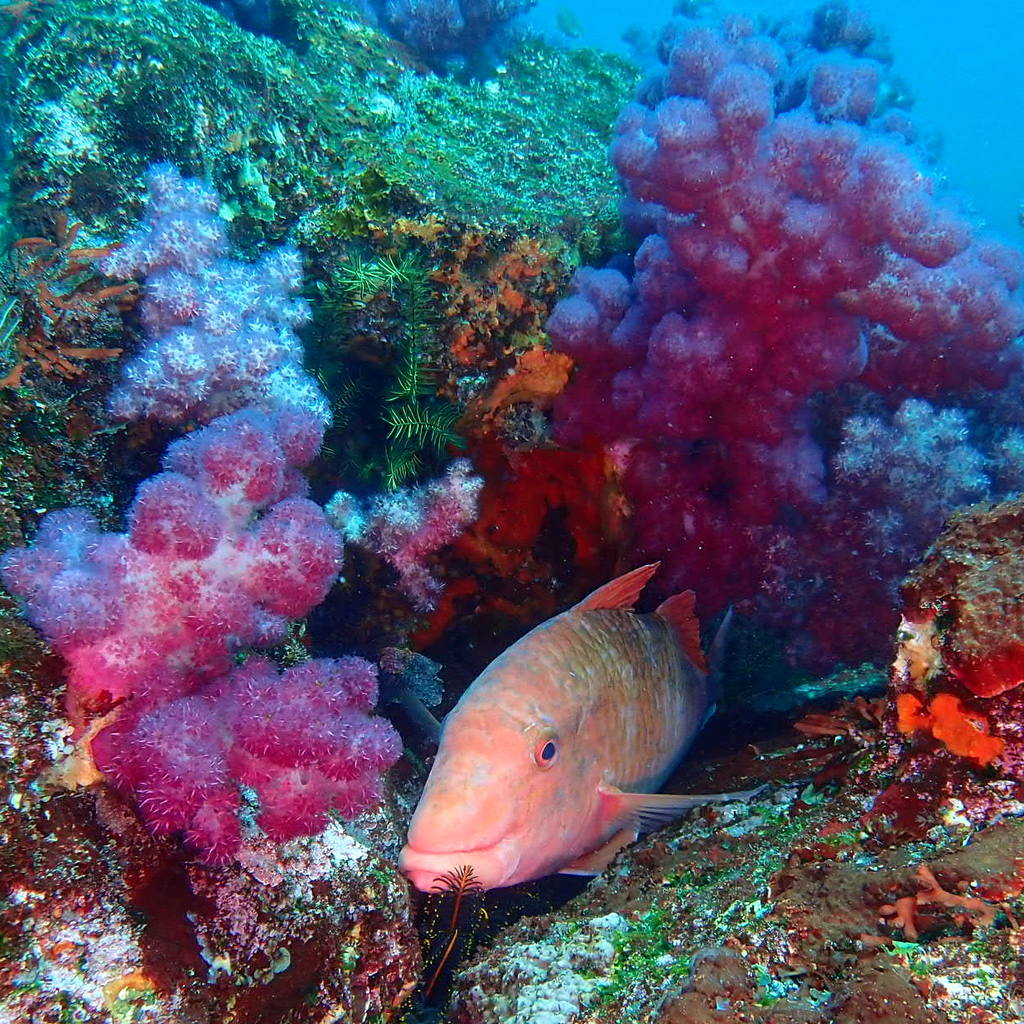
point(389, 425)
point(333, 125)
point(328, 135)
point(643, 950)
point(47, 461)
point(649, 959)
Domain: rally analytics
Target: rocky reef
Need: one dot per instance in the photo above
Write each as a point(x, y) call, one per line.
point(330, 127)
point(329, 368)
point(858, 888)
point(879, 877)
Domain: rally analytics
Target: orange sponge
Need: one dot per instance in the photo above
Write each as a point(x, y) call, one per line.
point(964, 732)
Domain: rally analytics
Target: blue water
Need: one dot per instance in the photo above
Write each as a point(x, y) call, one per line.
point(964, 64)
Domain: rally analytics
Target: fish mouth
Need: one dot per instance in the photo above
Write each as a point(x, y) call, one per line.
point(492, 866)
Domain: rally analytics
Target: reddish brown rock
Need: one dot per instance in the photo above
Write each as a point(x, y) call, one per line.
point(101, 920)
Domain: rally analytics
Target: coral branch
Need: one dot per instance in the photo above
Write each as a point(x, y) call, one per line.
point(407, 527)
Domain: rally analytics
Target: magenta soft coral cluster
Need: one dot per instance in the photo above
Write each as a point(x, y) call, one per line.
point(302, 739)
point(219, 334)
point(895, 477)
point(408, 526)
point(791, 244)
point(222, 549)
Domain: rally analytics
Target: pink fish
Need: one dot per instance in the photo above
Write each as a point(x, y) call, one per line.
point(550, 759)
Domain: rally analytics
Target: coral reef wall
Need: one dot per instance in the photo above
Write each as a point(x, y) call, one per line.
point(321, 150)
point(253, 270)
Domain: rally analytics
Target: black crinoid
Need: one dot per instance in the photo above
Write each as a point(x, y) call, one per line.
point(379, 362)
point(452, 923)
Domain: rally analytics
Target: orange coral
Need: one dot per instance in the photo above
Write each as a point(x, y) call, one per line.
point(52, 357)
point(963, 732)
point(911, 716)
point(523, 490)
point(859, 719)
point(137, 981)
point(539, 376)
point(55, 292)
point(550, 520)
point(497, 297)
point(427, 231)
point(964, 909)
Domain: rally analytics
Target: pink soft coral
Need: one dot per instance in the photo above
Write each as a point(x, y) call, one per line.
point(303, 740)
point(220, 334)
point(406, 528)
point(221, 550)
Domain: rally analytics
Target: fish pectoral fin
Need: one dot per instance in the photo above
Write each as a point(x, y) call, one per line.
point(596, 861)
point(646, 812)
point(422, 717)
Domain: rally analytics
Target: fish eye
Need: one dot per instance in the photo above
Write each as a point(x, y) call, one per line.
point(545, 752)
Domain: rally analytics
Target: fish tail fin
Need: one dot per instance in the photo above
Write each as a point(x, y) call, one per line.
point(716, 657)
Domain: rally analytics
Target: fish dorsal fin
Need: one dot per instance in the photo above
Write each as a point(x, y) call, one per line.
point(621, 593)
point(679, 611)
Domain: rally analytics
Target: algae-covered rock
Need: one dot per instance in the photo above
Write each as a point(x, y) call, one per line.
point(806, 905)
point(335, 122)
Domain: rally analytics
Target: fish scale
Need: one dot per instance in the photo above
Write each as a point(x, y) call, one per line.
point(641, 688)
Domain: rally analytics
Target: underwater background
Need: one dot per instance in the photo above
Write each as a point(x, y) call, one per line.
point(341, 346)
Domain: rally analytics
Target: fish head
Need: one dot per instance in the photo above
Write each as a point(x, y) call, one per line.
point(510, 795)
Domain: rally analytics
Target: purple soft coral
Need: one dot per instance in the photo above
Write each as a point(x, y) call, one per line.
point(407, 527)
point(220, 334)
point(222, 550)
point(441, 28)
